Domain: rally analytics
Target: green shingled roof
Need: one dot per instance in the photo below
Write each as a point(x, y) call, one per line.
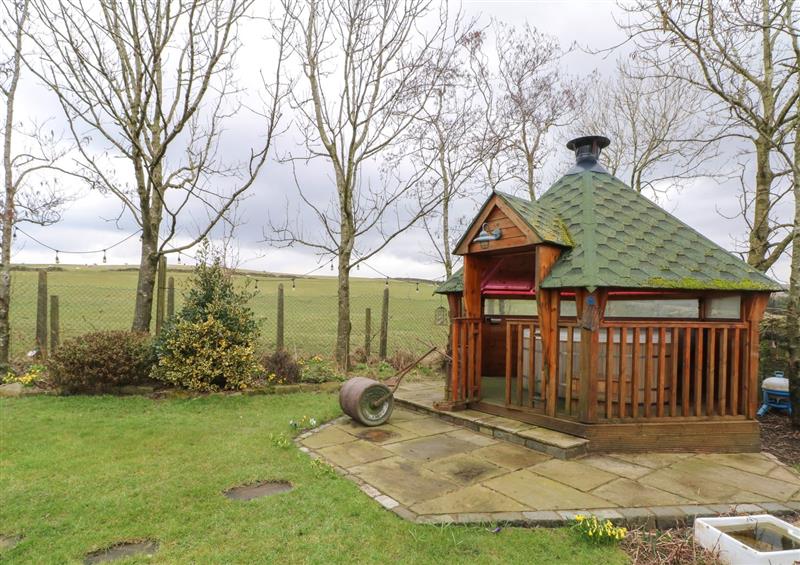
point(619, 238)
point(454, 284)
point(546, 223)
point(622, 239)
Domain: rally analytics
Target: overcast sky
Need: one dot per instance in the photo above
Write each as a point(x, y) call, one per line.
point(86, 222)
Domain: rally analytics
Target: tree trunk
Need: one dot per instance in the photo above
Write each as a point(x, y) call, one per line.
point(759, 235)
point(530, 180)
point(343, 326)
point(8, 205)
point(5, 255)
point(5, 293)
point(793, 312)
point(145, 286)
point(793, 309)
point(448, 258)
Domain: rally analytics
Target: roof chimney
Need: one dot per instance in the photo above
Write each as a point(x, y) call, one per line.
point(587, 152)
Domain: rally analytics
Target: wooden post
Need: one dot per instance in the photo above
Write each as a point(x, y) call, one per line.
point(367, 333)
point(473, 271)
point(161, 289)
point(592, 307)
point(548, 304)
point(54, 324)
point(170, 297)
point(41, 315)
point(280, 330)
point(384, 324)
point(454, 304)
point(463, 374)
point(754, 307)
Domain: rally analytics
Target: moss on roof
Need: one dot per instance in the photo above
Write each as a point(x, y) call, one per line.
point(454, 284)
point(547, 224)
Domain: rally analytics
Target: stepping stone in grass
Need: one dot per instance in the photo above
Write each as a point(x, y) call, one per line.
point(9, 541)
point(257, 490)
point(120, 550)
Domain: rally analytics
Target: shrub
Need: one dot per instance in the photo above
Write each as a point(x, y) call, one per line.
point(281, 368)
point(209, 345)
point(774, 343)
point(205, 356)
point(318, 370)
point(402, 358)
point(101, 362)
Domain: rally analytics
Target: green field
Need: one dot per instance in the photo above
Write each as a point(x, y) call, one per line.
point(78, 474)
point(99, 298)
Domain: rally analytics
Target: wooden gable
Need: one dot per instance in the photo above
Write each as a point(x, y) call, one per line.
point(497, 214)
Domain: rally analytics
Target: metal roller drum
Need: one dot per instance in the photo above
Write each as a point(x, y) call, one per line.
point(366, 401)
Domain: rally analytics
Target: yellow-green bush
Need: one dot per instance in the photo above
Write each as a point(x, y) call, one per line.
point(209, 345)
point(205, 356)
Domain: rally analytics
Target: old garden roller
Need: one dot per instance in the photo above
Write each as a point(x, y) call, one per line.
point(370, 402)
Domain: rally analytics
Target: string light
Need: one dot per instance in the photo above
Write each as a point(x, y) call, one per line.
point(15, 234)
point(179, 257)
point(86, 252)
point(331, 265)
point(293, 285)
point(417, 287)
point(387, 281)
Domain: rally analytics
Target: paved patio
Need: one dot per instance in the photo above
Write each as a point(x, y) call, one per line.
point(428, 470)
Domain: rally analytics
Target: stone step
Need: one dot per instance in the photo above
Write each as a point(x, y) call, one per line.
point(551, 442)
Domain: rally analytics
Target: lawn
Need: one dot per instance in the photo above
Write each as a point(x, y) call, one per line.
point(102, 297)
point(81, 473)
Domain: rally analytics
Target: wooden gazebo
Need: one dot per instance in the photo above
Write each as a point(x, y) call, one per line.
point(594, 312)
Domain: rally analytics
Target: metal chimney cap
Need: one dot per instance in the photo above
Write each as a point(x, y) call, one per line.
point(601, 140)
point(587, 152)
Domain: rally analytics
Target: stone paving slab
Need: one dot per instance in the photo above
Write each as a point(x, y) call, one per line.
point(475, 498)
point(421, 397)
point(466, 468)
point(430, 471)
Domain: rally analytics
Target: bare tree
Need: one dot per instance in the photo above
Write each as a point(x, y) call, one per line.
point(737, 54)
point(369, 69)
point(151, 83)
point(790, 150)
point(446, 142)
point(655, 125)
point(27, 154)
point(525, 97)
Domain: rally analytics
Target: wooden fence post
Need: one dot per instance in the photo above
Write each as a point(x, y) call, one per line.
point(41, 315)
point(367, 333)
point(170, 297)
point(384, 324)
point(54, 324)
point(161, 288)
point(280, 329)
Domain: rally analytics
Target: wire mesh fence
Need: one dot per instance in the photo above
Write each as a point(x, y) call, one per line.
point(94, 298)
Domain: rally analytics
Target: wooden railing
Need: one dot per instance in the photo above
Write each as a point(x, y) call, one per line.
point(527, 385)
point(658, 370)
point(466, 368)
point(661, 369)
